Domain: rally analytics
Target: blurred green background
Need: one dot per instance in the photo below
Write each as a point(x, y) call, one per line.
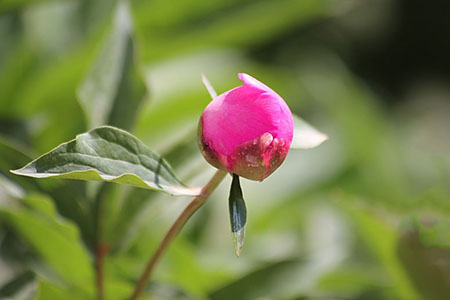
point(363, 216)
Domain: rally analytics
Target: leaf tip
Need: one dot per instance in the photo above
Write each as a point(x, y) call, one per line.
point(305, 135)
point(15, 172)
point(322, 138)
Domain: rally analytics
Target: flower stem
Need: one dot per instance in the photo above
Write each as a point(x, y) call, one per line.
point(99, 267)
point(176, 228)
point(100, 247)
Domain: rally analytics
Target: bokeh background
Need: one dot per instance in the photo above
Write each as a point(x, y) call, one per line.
point(363, 216)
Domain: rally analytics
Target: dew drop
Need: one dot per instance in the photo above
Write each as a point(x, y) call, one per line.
point(266, 139)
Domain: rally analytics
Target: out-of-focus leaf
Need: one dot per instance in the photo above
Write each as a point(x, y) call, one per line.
point(95, 12)
point(112, 91)
point(51, 39)
point(14, 130)
point(61, 248)
point(10, 187)
point(267, 282)
point(47, 94)
point(436, 234)
point(68, 196)
point(121, 218)
point(353, 282)
point(358, 123)
point(13, 73)
point(11, 153)
point(47, 97)
point(181, 266)
point(428, 265)
point(12, 157)
point(382, 240)
point(306, 136)
point(13, 287)
point(161, 291)
point(50, 291)
point(223, 27)
point(108, 154)
point(117, 290)
point(6, 5)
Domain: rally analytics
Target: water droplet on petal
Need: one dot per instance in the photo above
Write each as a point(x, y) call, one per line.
point(266, 139)
point(238, 239)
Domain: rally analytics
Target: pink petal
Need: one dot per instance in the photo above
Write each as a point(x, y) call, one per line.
point(244, 114)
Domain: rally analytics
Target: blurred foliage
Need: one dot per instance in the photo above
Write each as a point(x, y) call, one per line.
point(364, 216)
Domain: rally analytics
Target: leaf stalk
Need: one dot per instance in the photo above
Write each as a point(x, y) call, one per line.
point(176, 227)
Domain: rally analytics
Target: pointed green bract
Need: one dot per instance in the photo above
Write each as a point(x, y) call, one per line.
point(108, 154)
point(238, 214)
point(306, 136)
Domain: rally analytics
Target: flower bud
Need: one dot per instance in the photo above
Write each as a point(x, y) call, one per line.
point(247, 130)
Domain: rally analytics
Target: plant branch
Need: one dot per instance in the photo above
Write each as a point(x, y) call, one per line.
point(176, 228)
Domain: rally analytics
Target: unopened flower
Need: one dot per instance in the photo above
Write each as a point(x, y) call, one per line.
point(246, 131)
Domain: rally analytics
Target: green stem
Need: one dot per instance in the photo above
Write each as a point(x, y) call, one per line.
point(176, 228)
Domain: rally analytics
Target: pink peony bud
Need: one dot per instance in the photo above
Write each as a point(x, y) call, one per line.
point(247, 130)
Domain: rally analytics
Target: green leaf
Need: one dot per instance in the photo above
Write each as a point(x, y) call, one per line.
point(13, 287)
point(14, 72)
point(114, 290)
point(12, 156)
point(436, 234)
point(269, 282)
point(113, 90)
point(117, 289)
point(121, 218)
point(50, 291)
point(10, 188)
point(68, 195)
point(108, 154)
point(351, 280)
point(238, 214)
point(306, 136)
point(55, 240)
point(167, 31)
point(426, 263)
point(382, 240)
point(6, 5)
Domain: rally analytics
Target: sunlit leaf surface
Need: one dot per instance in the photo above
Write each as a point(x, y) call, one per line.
point(108, 154)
